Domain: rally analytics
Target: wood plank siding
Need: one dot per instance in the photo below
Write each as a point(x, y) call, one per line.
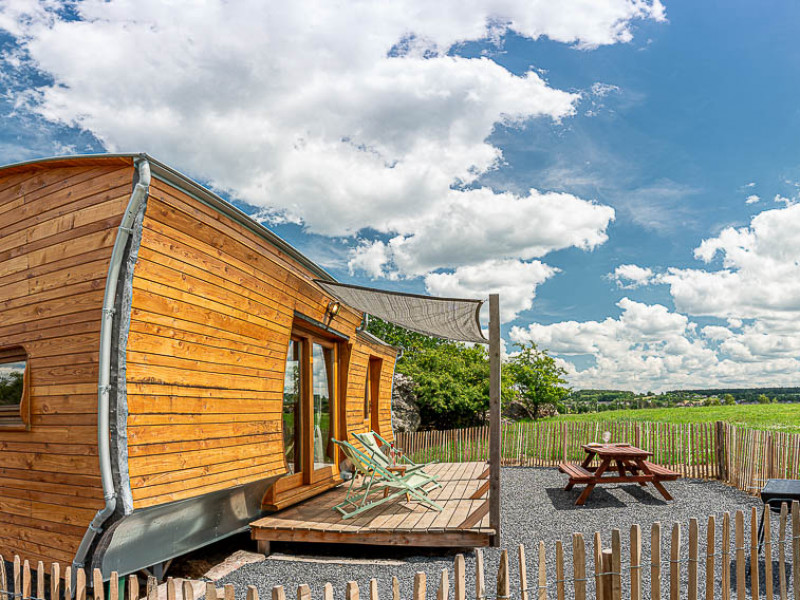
point(213, 310)
point(57, 229)
point(215, 301)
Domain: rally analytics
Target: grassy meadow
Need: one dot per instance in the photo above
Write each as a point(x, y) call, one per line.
point(774, 417)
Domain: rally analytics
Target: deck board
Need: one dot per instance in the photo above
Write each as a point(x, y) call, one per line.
point(396, 522)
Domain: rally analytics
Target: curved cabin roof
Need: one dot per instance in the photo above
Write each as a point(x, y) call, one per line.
point(169, 175)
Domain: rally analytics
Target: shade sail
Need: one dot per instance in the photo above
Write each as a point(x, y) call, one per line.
point(449, 318)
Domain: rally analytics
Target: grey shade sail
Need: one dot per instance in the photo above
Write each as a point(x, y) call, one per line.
point(449, 318)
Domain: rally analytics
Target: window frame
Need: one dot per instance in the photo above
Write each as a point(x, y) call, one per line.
point(17, 417)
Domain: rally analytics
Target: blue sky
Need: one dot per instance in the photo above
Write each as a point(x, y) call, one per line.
point(594, 167)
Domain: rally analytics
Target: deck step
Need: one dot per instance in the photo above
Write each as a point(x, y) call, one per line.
point(575, 472)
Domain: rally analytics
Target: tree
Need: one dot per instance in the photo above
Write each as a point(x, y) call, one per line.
point(762, 399)
point(451, 384)
point(536, 379)
point(728, 400)
point(451, 380)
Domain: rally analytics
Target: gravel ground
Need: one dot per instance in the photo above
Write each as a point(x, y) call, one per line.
point(535, 507)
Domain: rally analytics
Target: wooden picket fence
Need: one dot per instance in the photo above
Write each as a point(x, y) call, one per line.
point(714, 564)
point(744, 458)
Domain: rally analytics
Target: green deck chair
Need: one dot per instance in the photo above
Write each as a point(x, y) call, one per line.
point(377, 477)
point(372, 443)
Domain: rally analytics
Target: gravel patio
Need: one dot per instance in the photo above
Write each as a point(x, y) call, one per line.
point(535, 507)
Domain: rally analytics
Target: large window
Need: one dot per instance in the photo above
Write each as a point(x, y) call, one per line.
point(13, 387)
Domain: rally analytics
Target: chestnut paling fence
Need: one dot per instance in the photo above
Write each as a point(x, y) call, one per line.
point(741, 457)
point(715, 559)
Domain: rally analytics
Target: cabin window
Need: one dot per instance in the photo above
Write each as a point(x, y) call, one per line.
point(13, 387)
point(367, 394)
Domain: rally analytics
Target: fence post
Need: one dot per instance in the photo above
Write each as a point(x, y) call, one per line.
point(767, 554)
point(503, 585)
point(523, 574)
point(459, 578)
point(278, 593)
point(68, 581)
point(579, 566)
point(616, 565)
point(674, 564)
point(188, 590)
point(694, 554)
point(373, 589)
point(726, 556)
point(655, 561)
point(480, 583)
point(711, 544)
point(419, 586)
point(542, 586)
point(598, 568)
point(740, 567)
point(605, 584)
point(560, 592)
point(719, 430)
point(351, 591)
point(782, 550)
point(55, 580)
point(97, 583)
point(252, 593)
point(636, 563)
point(443, 592)
point(40, 579)
point(754, 587)
point(303, 592)
point(395, 588)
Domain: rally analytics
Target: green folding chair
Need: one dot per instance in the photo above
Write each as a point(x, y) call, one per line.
point(377, 477)
point(372, 444)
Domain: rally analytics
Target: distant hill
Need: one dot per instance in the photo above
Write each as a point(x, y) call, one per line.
point(622, 398)
point(783, 394)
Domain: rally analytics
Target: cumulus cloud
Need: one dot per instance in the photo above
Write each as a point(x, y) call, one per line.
point(473, 225)
point(631, 276)
point(357, 120)
point(759, 275)
point(514, 280)
point(649, 347)
point(752, 199)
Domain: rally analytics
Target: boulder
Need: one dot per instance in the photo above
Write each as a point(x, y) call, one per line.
point(405, 411)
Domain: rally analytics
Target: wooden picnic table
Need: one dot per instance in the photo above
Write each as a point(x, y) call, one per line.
point(631, 466)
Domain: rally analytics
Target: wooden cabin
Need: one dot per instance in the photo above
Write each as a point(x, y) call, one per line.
point(170, 370)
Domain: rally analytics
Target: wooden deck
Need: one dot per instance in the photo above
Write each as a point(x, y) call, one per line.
point(464, 522)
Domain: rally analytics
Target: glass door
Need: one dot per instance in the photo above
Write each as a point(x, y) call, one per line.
point(309, 409)
point(324, 416)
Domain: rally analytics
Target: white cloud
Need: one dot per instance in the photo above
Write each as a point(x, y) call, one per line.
point(752, 199)
point(631, 276)
point(785, 200)
point(650, 347)
point(601, 90)
point(351, 119)
point(760, 274)
point(471, 226)
point(514, 280)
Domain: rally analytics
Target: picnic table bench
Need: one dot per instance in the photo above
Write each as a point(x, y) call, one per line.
point(632, 466)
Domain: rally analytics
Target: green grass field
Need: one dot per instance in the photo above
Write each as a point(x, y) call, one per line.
point(775, 417)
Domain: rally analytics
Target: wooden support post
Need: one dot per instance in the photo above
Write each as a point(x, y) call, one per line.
point(263, 547)
point(494, 417)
